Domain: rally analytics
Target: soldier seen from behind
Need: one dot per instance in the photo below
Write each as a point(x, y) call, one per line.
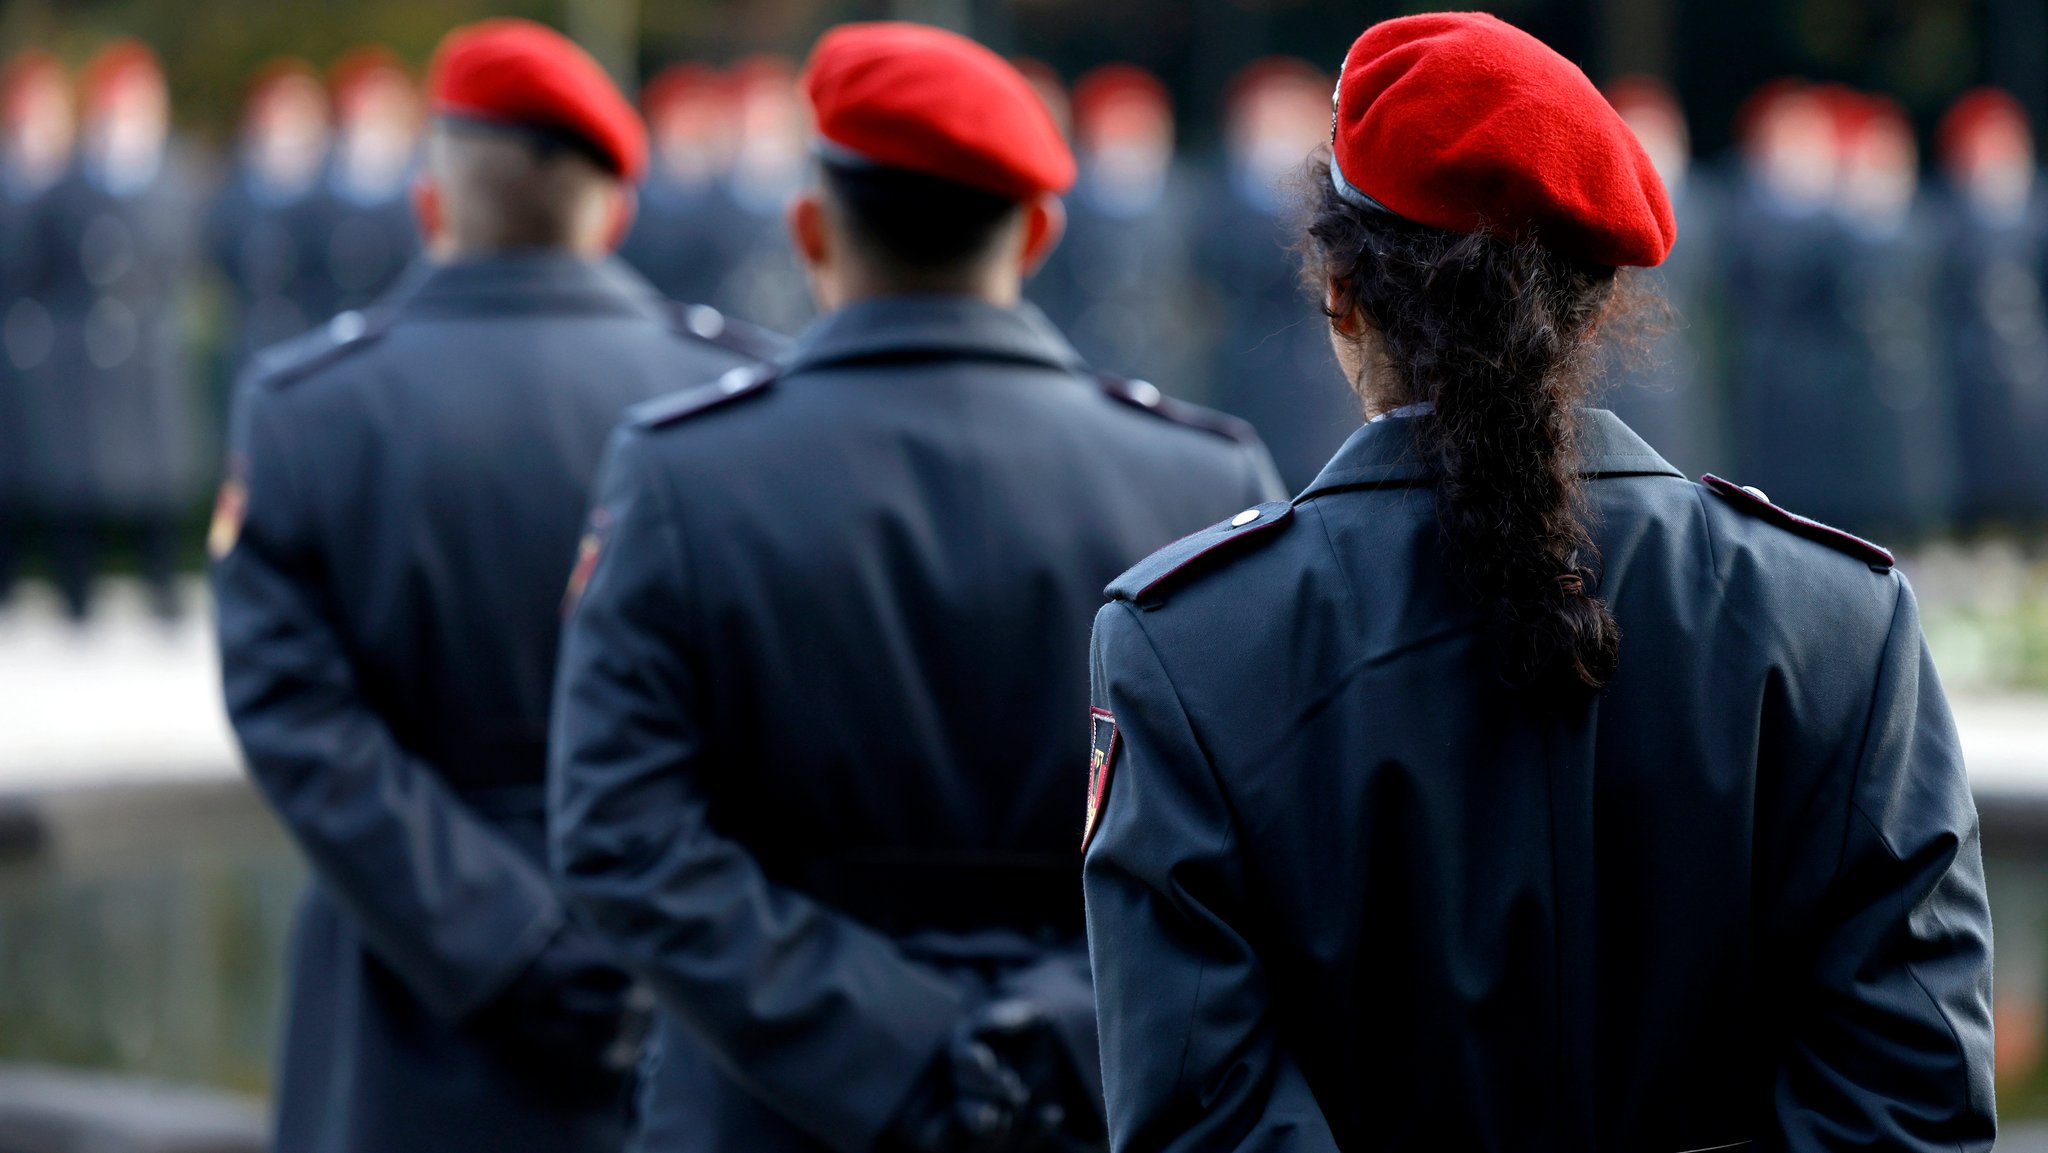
point(1507, 790)
point(1270, 367)
point(405, 490)
point(811, 777)
point(1994, 320)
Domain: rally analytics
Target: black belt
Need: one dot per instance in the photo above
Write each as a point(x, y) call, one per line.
point(908, 891)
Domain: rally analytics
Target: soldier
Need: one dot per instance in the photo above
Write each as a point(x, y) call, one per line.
point(400, 516)
point(1997, 328)
point(1886, 431)
point(807, 773)
point(1119, 286)
point(762, 281)
point(683, 239)
point(371, 235)
point(1671, 393)
point(111, 425)
point(35, 153)
point(269, 229)
point(1270, 368)
point(1543, 800)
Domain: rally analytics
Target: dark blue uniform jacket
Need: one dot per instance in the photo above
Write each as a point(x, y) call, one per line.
point(816, 717)
point(1349, 891)
point(413, 486)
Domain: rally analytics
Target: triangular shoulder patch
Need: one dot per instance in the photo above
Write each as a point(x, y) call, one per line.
point(1149, 577)
point(664, 411)
point(1755, 503)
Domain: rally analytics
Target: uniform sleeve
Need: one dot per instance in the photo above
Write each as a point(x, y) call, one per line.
point(1190, 1060)
point(823, 1019)
point(438, 894)
point(1895, 1049)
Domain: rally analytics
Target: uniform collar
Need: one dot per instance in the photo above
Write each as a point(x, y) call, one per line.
point(552, 283)
point(934, 328)
point(1383, 453)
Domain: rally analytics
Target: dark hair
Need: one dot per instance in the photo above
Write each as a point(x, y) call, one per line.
point(914, 223)
point(1496, 335)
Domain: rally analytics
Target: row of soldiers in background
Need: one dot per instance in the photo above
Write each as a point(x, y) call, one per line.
point(1870, 353)
point(106, 433)
point(1873, 355)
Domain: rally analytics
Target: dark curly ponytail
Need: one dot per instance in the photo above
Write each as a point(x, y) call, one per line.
point(1495, 336)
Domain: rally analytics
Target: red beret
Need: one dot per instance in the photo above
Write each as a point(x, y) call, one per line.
point(26, 70)
point(518, 72)
point(359, 69)
point(1107, 84)
point(122, 62)
point(1971, 114)
point(1462, 122)
point(926, 100)
point(682, 84)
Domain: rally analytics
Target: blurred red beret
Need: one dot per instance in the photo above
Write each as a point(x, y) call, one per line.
point(513, 71)
point(24, 71)
point(278, 72)
point(121, 62)
point(1972, 113)
point(352, 74)
point(1106, 84)
point(681, 84)
point(1463, 122)
point(930, 101)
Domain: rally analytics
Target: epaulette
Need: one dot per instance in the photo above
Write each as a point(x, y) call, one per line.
point(1148, 396)
point(711, 326)
point(302, 356)
point(663, 411)
point(1147, 577)
point(1754, 502)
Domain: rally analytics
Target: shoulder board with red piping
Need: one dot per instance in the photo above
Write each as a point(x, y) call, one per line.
point(711, 326)
point(1150, 576)
point(1756, 504)
point(1148, 396)
point(663, 411)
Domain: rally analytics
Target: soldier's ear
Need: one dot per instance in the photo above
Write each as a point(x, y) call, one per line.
point(807, 231)
point(427, 209)
point(625, 207)
point(1045, 221)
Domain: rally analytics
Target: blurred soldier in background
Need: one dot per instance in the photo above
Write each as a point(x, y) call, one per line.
point(371, 236)
point(1994, 320)
point(1787, 316)
point(683, 239)
point(1889, 435)
point(268, 230)
point(35, 153)
point(398, 522)
point(1669, 393)
point(1121, 285)
point(1271, 366)
point(763, 283)
point(110, 426)
point(809, 774)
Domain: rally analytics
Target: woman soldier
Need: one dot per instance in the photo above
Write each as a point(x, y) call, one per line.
point(1506, 790)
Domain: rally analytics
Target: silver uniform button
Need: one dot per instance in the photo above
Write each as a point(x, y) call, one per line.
point(735, 379)
point(1145, 393)
point(1757, 493)
point(1244, 518)
point(346, 326)
point(704, 320)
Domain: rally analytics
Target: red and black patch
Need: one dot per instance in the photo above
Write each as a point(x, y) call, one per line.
point(587, 552)
point(1101, 764)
